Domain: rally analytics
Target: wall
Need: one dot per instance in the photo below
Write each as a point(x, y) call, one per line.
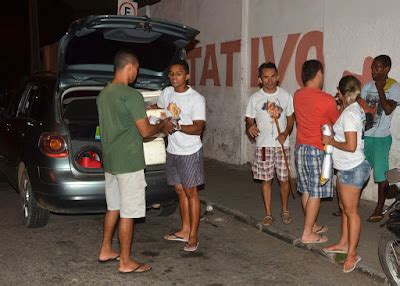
point(234, 39)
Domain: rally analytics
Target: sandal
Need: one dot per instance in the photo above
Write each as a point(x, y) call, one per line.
point(267, 220)
point(286, 218)
point(350, 263)
point(375, 218)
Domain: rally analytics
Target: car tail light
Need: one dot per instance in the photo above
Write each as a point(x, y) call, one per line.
point(53, 145)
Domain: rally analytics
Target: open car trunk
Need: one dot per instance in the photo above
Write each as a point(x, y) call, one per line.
point(79, 112)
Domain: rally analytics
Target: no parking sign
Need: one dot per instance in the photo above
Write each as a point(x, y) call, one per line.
point(127, 7)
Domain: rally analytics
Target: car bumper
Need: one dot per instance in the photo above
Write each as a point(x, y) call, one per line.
point(62, 192)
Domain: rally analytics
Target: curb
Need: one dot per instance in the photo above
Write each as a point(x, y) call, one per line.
point(288, 238)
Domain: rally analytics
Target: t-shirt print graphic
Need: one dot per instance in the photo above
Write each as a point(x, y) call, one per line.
point(373, 101)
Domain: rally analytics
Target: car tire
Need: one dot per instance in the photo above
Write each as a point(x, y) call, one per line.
point(168, 209)
point(33, 216)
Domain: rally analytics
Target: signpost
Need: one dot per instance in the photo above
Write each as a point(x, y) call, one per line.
point(127, 8)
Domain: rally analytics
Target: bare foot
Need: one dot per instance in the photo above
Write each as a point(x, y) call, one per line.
point(350, 263)
point(108, 255)
point(183, 234)
point(314, 238)
point(133, 266)
point(336, 248)
point(319, 228)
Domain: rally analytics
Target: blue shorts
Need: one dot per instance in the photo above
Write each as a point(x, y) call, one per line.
point(355, 177)
point(308, 166)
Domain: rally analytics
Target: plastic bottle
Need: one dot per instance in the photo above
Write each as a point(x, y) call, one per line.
point(326, 172)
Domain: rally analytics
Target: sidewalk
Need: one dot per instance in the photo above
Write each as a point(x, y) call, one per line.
point(231, 189)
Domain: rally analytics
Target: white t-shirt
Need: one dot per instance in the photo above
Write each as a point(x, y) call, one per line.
point(265, 123)
point(193, 107)
point(351, 119)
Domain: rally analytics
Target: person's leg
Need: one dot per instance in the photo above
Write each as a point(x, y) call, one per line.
point(194, 212)
point(111, 217)
point(311, 213)
point(110, 222)
point(343, 243)
point(184, 212)
point(133, 205)
point(284, 185)
point(126, 263)
point(266, 191)
point(380, 159)
point(350, 196)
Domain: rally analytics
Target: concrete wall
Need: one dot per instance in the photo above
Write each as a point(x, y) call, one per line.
point(238, 35)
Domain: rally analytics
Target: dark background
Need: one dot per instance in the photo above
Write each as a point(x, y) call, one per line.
point(54, 17)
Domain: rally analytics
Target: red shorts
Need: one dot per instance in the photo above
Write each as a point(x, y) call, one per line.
point(269, 159)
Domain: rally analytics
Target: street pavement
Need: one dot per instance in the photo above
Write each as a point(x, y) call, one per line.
point(230, 253)
point(230, 188)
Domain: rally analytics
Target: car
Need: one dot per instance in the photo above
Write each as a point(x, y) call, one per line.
point(50, 148)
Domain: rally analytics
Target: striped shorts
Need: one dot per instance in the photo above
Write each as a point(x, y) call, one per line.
point(269, 159)
point(308, 161)
point(185, 170)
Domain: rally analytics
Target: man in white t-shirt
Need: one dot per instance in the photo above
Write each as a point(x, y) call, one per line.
point(261, 126)
point(184, 165)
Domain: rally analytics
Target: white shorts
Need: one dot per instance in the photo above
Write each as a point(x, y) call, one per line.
point(126, 193)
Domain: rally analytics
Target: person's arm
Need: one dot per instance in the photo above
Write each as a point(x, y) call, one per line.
point(251, 128)
point(332, 111)
point(152, 106)
point(349, 145)
point(289, 127)
point(148, 130)
point(387, 105)
point(196, 128)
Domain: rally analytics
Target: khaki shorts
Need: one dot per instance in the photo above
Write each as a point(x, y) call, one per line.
point(126, 193)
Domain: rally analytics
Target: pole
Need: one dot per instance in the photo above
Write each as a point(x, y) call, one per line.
point(285, 158)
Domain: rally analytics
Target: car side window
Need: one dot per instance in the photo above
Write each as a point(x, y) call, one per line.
point(26, 101)
point(40, 104)
point(12, 109)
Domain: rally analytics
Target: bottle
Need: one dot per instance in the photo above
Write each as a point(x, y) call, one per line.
point(326, 172)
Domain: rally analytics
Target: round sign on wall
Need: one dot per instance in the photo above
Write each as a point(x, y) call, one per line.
point(127, 8)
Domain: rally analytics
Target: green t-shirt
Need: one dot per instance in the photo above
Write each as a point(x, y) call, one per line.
point(119, 106)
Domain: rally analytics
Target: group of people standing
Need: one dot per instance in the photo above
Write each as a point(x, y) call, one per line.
point(360, 120)
point(270, 117)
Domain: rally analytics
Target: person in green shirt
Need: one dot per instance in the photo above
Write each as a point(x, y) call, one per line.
point(123, 125)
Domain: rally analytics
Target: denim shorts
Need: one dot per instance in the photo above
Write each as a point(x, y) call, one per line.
point(355, 177)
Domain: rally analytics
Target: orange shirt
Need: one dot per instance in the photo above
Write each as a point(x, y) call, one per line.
point(313, 108)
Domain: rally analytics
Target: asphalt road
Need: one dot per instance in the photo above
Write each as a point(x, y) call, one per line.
point(230, 253)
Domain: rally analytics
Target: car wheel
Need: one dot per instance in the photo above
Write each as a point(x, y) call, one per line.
point(168, 209)
point(32, 215)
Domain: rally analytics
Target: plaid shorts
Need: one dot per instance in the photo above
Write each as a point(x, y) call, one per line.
point(308, 165)
point(269, 159)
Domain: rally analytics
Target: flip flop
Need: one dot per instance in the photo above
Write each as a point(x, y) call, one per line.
point(135, 270)
point(191, 248)
point(174, 237)
point(321, 239)
point(358, 259)
point(334, 250)
point(116, 258)
point(322, 229)
point(375, 218)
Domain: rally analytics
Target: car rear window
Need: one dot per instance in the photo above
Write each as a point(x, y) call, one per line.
point(93, 48)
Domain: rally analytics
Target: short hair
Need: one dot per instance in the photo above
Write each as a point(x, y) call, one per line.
point(182, 63)
point(123, 58)
point(385, 60)
point(349, 87)
point(268, 65)
point(310, 69)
